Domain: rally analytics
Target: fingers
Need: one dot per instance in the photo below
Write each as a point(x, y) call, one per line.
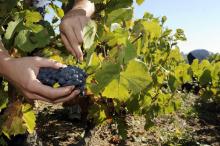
point(70, 97)
point(67, 44)
point(78, 31)
point(33, 96)
point(51, 93)
point(71, 37)
point(43, 62)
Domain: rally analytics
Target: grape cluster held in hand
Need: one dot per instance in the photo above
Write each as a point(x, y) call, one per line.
point(67, 76)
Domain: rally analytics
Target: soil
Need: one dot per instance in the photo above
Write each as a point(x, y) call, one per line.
point(195, 124)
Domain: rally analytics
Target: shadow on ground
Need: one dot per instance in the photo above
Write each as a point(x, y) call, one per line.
point(208, 131)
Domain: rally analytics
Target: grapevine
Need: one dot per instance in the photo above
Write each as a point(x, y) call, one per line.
point(131, 66)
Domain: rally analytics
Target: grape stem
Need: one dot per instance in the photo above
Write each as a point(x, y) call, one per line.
point(135, 40)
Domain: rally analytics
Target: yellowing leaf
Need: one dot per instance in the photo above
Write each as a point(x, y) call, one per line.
point(3, 99)
point(89, 32)
point(32, 17)
point(139, 2)
point(11, 29)
point(120, 15)
point(13, 124)
point(59, 12)
point(29, 117)
point(57, 58)
point(116, 90)
point(121, 85)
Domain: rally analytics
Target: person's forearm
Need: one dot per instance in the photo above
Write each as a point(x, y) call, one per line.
point(4, 57)
point(85, 5)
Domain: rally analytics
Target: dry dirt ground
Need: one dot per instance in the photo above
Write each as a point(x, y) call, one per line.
point(196, 124)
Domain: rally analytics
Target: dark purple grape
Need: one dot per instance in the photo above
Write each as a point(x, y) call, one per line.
point(67, 76)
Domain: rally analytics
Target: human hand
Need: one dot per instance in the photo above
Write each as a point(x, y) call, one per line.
point(22, 73)
point(71, 29)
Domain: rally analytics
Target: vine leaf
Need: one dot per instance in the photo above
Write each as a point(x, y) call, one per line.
point(120, 15)
point(59, 12)
point(117, 4)
point(89, 33)
point(27, 41)
point(3, 99)
point(136, 76)
point(182, 73)
point(6, 7)
point(98, 1)
point(13, 125)
point(18, 118)
point(128, 53)
point(121, 84)
point(205, 77)
point(12, 28)
point(32, 17)
point(116, 89)
point(104, 76)
point(29, 117)
point(139, 2)
point(216, 75)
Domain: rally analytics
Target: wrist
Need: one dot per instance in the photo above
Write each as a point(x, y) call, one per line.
point(86, 6)
point(76, 12)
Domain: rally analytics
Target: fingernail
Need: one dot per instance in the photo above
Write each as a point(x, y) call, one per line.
point(58, 64)
point(81, 58)
point(69, 89)
point(77, 91)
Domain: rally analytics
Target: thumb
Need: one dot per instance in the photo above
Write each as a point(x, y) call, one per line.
point(50, 63)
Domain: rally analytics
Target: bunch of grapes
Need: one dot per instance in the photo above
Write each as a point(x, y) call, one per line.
point(67, 76)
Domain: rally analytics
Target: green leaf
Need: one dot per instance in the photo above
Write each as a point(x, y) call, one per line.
point(139, 2)
point(98, 1)
point(3, 142)
point(16, 127)
point(149, 29)
point(97, 111)
point(118, 4)
point(59, 12)
point(29, 117)
point(136, 76)
point(28, 41)
point(122, 127)
point(89, 32)
point(23, 42)
point(146, 102)
point(179, 35)
point(116, 89)
point(117, 37)
point(216, 74)
point(12, 28)
point(205, 78)
point(32, 17)
point(173, 83)
point(93, 63)
point(3, 99)
point(120, 15)
point(13, 123)
point(127, 53)
point(36, 28)
point(6, 7)
point(131, 81)
point(164, 19)
point(153, 29)
point(104, 76)
point(182, 73)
